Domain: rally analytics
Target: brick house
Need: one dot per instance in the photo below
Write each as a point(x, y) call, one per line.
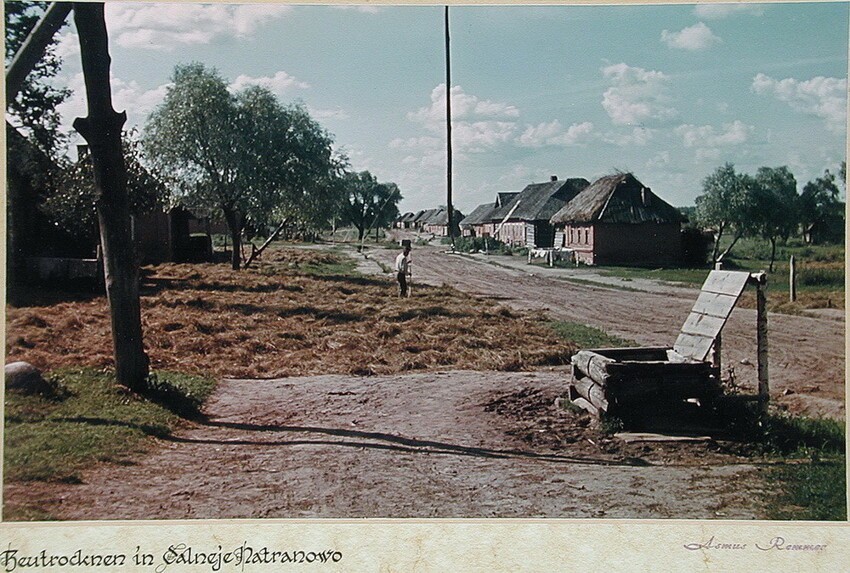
point(618, 220)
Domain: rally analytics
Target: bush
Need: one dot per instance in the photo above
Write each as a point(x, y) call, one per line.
point(821, 277)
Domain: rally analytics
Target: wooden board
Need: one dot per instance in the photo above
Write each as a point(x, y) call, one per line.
point(717, 298)
point(726, 282)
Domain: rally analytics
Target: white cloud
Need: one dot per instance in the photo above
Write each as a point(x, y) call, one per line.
point(68, 45)
point(638, 136)
point(127, 96)
point(279, 84)
point(553, 133)
point(820, 96)
point(464, 107)
point(659, 161)
point(168, 26)
point(694, 38)
point(706, 136)
point(720, 11)
point(636, 95)
point(335, 113)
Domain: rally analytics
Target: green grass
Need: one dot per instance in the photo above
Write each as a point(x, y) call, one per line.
point(811, 485)
point(587, 336)
point(92, 419)
point(693, 277)
point(813, 490)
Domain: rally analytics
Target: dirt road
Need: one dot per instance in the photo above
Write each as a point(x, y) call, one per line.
point(453, 444)
point(461, 443)
point(806, 364)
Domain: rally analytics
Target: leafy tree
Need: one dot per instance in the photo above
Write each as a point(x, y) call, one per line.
point(72, 206)
point(728, 205)
point(820, 206)
point(369, 203)
point(244, 155)
point(777, 213)
point(34, 108)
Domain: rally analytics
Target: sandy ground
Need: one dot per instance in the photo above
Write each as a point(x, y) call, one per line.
point(452, 444)
point(459, 443)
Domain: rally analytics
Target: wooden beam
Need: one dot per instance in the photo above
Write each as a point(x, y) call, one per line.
point(761, 344)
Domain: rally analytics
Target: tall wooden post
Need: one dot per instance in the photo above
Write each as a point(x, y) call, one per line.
point(760, 281)
point(792, 280)
point(449, 207)
point(102, 131)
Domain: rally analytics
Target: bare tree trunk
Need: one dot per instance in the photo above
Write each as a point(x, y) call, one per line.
point(234, 225)
point(102, 131)
point(772, 252)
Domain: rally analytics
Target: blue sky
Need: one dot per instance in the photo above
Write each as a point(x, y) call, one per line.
point(666, 92)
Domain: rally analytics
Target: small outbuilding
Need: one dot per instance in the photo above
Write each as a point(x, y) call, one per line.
point(619, 221)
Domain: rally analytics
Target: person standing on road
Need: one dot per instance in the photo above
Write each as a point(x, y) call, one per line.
point(402, 268)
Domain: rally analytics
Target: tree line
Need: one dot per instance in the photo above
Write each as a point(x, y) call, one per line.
point(244, 158)
point(767, 205)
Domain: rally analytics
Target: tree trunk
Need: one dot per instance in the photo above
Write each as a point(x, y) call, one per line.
point(234, 225)
point(102, 131)
point(772, 252)
point(728, 249)
point(714, 251)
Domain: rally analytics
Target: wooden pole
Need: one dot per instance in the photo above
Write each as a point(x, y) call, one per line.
point(449, 133)
point(761, 309)
point(102, 131)
point(717, 351)
point(792, 280)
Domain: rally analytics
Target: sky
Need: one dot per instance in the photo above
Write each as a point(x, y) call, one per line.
point(669, 93)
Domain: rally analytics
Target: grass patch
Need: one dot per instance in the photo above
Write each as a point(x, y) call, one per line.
point(93, 420)
point(687, 276)
point(587, 336)
point(812, 485)
point(814, 490)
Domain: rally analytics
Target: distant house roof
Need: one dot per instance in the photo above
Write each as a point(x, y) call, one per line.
point(407, 217)
point(539, 201)
point(421, 216)
point(479, 215)
point(504, 197)
point(618, 198)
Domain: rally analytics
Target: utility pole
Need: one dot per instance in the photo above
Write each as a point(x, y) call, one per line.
point(449, 135)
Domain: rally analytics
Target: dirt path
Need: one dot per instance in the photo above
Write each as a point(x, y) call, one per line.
point(456, 444)
point(422, 445)
point(807, 354)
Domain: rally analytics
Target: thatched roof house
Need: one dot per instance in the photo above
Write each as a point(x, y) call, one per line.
point(525, 219)
point(618, 220)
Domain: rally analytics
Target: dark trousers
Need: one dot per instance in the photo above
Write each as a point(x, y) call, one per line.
point(402, 284)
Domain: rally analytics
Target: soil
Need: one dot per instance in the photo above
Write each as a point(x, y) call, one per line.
point(459, 443)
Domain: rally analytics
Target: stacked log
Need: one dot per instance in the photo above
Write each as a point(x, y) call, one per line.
point(620, 381)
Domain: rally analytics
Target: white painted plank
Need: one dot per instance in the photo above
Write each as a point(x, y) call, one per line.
point(693, 346)
point(726, 282)
point(714, 304)
point(703, 325)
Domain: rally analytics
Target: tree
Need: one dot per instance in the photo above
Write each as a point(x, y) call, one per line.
point(369, 203)
point(34, 107)
point(102, 130)
point(244, 155)
point(728, 204)
point(777, 213)
point(821, 210)
point(72, 206)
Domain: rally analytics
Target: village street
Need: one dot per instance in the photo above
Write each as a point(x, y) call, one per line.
point(806, 364)
point(455, 443)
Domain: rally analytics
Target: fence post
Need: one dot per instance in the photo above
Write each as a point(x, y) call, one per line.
point(792, 280)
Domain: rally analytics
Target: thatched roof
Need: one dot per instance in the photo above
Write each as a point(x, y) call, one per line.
point(481, 214)
point(407, 217)
point(539, 201)
point(424, 216)
point(618, 198)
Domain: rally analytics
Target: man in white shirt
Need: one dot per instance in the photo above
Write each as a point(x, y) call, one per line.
point(402, 268)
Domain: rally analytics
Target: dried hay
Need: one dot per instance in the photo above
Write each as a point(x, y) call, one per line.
point(273, 321)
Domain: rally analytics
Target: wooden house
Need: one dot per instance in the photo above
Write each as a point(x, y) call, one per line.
point(437, 223)
point(525, 220)
point(484, 219)
point(619, 221)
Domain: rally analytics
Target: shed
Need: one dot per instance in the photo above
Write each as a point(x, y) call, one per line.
point(618, 220)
